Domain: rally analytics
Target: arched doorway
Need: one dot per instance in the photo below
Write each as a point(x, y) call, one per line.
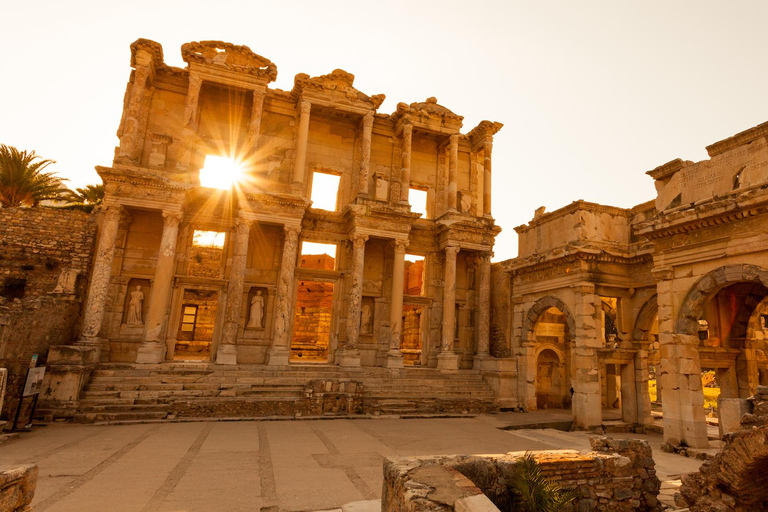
point(551, 391)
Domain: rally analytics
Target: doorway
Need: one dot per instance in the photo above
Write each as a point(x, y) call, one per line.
point(411, 344)
point(196, 325)
point(312, 322)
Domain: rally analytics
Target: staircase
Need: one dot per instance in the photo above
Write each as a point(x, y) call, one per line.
point(132, 393)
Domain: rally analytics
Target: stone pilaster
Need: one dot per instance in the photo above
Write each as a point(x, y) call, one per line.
point(279, 352)
point(453, 166)
point(483, 310)
point(394, 356)
point(447, 359)
point(643, 398)
point(407, 136)
point(254, 126)
point(680, 372)
point(487, 147)
point(189, 130)
point(587, 393)
point(300, 167)
point(227, 351)
point(93, 314)
point(365, 165)
point(130, 146)
point(152, 349)
point(350, 355)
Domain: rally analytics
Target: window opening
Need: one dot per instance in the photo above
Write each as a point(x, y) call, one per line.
point(325, 191)
point(418, 200)
point(413, 282)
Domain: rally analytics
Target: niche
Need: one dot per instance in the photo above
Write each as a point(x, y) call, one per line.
point(135, 306)
point(258, 299)
point(367, 312)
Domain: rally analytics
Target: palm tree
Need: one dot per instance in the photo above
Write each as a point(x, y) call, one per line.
point(22, 180)
point(533, 492)
point(90, 194)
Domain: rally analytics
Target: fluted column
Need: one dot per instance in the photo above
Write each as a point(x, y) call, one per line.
point(300, 167)
point(152, 349)
point(279, 352)
point(227, 351)
point(365, 165)
point(447, 358)
point(254, 126)
point(129, 138)
point(487, 147)
point(394, 356)
point(453, 166)
point(350, 355)
point(483, 309)
point(406, 163)
point(93, 314)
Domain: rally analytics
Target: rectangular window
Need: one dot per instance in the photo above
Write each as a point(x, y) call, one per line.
point(418, 200)
point(413, 281)
point(318, 256)
point(325, 191)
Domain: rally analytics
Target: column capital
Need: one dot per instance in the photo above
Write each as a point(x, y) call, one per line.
point(400, 246)
point(488, 147)
point(452, 250)
point(485, 256)
point(407, 130)
point(663, 274)
point(358, 239)
point(291, 232)
point(368, 119)
point(242, 223)
point(305, 107)
point(172, 217)
point(259, 94)
point(112, 212)
point(454, 139)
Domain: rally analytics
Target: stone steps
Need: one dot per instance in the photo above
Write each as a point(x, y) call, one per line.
point(126, 392)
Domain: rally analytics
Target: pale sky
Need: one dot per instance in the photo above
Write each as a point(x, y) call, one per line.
point(592, 94)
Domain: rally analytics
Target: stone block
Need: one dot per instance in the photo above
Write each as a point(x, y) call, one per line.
point(17, 487)
point(729, 413)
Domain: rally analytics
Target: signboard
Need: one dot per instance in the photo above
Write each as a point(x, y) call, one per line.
point(549, 329)
point(34, 381)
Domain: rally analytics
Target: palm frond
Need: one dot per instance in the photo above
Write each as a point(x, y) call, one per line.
point(23, 181)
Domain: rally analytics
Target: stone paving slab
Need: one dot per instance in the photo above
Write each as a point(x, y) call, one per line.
point(274, 466)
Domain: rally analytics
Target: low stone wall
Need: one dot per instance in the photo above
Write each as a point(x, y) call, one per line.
point(17, 487)
point(617, 476)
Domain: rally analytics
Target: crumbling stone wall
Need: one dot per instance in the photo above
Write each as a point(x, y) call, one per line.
point(49, 252)
point(618, 475)
point(735, 480)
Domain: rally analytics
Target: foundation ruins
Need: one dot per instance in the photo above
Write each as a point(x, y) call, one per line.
point(345, 268)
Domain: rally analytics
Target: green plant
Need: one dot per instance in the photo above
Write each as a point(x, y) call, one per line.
point(533, 492)
point(22, 180)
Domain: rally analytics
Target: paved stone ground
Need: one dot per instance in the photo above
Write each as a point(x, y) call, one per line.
point(271, 465)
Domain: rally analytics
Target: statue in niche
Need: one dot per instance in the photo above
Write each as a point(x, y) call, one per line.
point(365, 319)
point(135, 306)
point(257, 310)
point(466, 203)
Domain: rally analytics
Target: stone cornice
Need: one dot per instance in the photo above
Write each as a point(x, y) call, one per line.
point(142, 177)
point(668, 169)
point(519, 266)
point(572, 208)
point(218, 54)
point(737, 140)
point(337, 86)
point(685, 219)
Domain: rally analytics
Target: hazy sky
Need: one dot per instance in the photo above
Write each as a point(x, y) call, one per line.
point(592, 94)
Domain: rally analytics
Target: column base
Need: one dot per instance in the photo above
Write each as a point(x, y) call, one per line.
point(349, 357)
point(447, 362)
point(278, 356)
point(226, 354)
point(480, 361)
point(394, 359)
point(152, 352)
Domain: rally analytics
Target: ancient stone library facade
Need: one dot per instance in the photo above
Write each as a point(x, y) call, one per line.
point(358, 243)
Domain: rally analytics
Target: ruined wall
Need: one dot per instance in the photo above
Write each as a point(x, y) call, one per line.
point(45, 258)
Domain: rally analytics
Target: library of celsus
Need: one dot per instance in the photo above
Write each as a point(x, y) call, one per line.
point(270, 252)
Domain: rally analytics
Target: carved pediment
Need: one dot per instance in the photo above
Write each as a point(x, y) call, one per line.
point(154, 48)
point(338, 83)
point(228, 56)
point(429, 113)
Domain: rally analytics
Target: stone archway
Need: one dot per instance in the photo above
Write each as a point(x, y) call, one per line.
point(538, 309)
point(645, 319)
point(709, 284)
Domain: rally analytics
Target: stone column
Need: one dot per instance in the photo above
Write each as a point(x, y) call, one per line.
point(453, 166)
point(227, 351)
point(189, 128)
point(483, 310)
point(643, 397)
point(365, 165)
point(587, 393)
point(350, 355)
point(680, 372)
point(93, 313)
point(394, 356)
point(487, 147)
point(279, 352)
point(254, 126)
point(629, 407)
point(447, 360)
point(300, 167)
point(152, 349)
point(406, 163)
point(130, 148)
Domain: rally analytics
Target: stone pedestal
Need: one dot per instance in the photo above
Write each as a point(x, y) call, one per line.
point(349, 358)
point(447, 362)
point(278, 356)
point(151, 352)
point(394, 359)
point(226, 354)
point(67, 371)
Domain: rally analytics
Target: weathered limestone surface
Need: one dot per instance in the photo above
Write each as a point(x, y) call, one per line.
point(17, 487)
point(615, 476)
